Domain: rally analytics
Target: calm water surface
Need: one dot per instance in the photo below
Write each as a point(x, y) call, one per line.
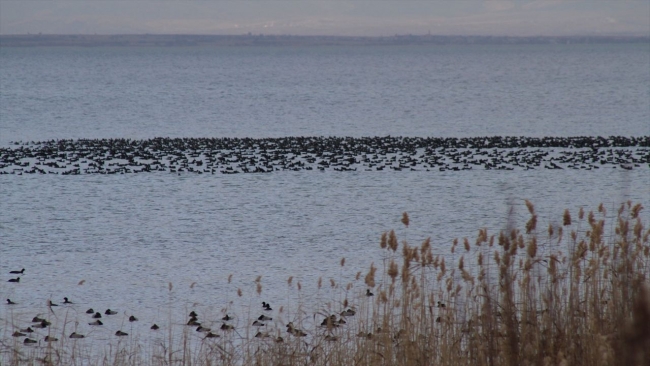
point(129, 236)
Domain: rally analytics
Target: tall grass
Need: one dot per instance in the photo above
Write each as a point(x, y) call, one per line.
point(570, 294)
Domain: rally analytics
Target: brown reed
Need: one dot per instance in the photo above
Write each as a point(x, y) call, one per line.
point(527, 299)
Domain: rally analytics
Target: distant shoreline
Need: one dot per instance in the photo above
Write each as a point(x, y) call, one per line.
point(171, 40)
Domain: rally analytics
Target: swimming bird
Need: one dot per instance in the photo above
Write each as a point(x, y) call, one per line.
point(18, 272)
point(36, 319)
point(74, 335)
point(348, 312)
point(96, 322)
point(227, 327)
point(294, 331)
point(110, 312)
point(193, 314)
point(90, 311)
point(133, 319)
point(264, 318)
point(368, 293)
point(29, 341)
point(17, 279)
point(97, 315)
point(258, 324)
point(211, 335)
point(18, 334)
point(66, 301)
point(27, 330)
point(441, 305)
point(119, 333)
point(261, 335)
point(9, 302)
point(50, 339)
point(193, 321)
point(227, 317)
point(202, 329)
point(266, 306)
point(42, 324)
point(155, 327)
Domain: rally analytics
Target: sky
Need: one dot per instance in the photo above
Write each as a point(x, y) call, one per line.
point(327, 17)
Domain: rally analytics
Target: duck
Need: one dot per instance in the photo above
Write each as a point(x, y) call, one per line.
point(348, 312)
point(97, 315)
point(36, 319)
point(9, 302)
point(90, 311)
point(66, 301)
point(17, 279)
point(212, 335)
point(110, 312)
point(96, 322)
point(193, 321)
point(18, 272)
point(155, 327)
point(227, 327)
point(50, 339)
point(193, 314)
point(18, 334)
point(258, 323)
point(227, 317)
point(368, 293)
point(119, 333)
point(266, 306)
point(29, 341)
point(261, 335)
point(296, 332)
point(133, 319)
point(441, 305)
point(202, 329)
point(74, 335)
point(27, 330)
point(264, 318)
point(42, 324)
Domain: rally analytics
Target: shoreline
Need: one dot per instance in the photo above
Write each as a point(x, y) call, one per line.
point(182, 40)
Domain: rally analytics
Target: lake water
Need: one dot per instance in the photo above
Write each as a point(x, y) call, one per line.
point(128, 236)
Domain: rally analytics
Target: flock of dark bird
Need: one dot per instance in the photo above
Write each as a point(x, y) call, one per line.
point(42, 323)
point(329, 322)
point(265, 155)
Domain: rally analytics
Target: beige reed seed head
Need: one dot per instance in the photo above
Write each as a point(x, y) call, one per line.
point(320, 282)
point(289, 280)
point(567, 218)
point(392, 241)
point(342, 261)
point(383, 243)
point(230, 278)
point(259, 288)
point(405, 219)
point(239, 292)
point(531, 208)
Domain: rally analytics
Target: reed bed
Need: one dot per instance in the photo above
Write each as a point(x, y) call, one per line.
point(576, 293)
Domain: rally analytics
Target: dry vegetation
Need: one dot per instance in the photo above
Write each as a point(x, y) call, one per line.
point(571, 294)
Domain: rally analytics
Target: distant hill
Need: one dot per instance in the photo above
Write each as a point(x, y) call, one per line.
point(148, 40)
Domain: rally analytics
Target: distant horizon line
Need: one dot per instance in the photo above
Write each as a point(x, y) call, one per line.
point(251, 34)
point(250, 39)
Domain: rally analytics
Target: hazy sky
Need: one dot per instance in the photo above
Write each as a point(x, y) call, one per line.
point(327, 17)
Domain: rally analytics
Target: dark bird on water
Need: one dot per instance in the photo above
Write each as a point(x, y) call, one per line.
point(17, 279)
point(66, 301)
point(9, 302)
point(18, 272)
